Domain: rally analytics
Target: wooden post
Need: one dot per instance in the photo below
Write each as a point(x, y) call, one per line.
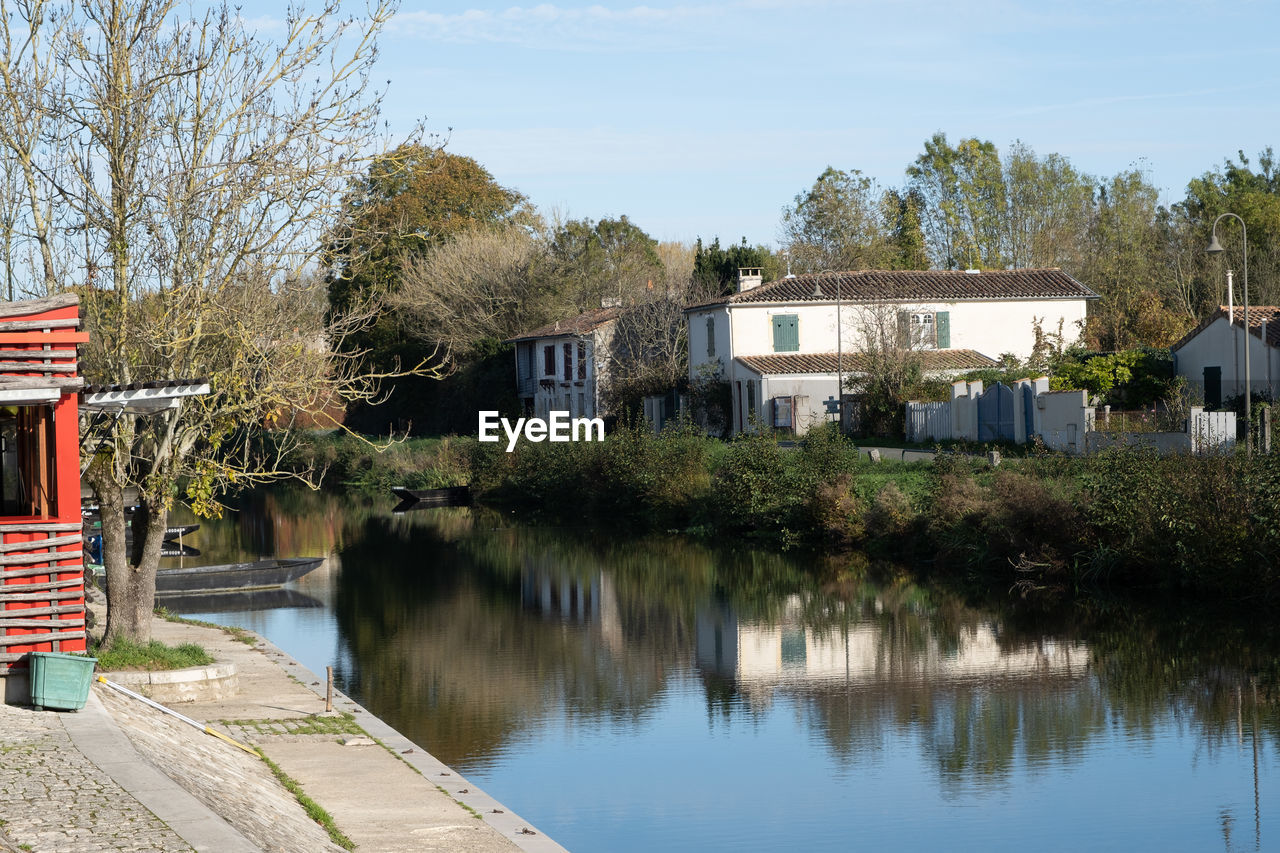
point(328, 691)
point(1265, 439)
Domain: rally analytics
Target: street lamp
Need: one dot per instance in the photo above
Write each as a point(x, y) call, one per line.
point(1215, 248)
point(839, 348)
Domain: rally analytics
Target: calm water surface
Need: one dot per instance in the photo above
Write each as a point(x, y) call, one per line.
point(654, 694)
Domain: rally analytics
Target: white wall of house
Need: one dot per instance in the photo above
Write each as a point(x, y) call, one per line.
point(1221, 345)
point(990, 327)
point(712, 347)
point(809, 390)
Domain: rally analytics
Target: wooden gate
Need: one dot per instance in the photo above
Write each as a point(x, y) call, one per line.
point(995, 413)
point(929, 422)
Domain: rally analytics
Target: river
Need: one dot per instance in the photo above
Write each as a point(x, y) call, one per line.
point(646, 694)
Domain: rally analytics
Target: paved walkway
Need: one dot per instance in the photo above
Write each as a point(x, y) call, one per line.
point(119, 775)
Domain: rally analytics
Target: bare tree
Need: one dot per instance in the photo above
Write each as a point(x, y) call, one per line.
point(32, 144)
point(649, 353)
point(885, 362)
point(203, 163)
point(479, 285)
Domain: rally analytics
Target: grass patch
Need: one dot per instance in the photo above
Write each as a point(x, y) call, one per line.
point(314, 810)
point(243, 635)
point(343, 724)
point(155, 655)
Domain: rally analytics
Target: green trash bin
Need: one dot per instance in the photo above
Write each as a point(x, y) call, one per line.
point(60, 680)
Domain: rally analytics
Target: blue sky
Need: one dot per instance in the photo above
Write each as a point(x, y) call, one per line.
point(707, 118)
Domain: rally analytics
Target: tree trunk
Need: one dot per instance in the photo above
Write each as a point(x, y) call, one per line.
point(131, 583)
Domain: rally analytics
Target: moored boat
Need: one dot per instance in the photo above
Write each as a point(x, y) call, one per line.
point(448, 496)
point(261, 574)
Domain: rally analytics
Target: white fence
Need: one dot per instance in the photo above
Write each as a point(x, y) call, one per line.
point(929, 422)
point(1062, 420)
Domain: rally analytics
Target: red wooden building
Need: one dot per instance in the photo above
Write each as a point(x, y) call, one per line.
point(42, 604)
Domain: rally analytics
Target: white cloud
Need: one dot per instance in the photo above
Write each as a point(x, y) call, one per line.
point(587, 28)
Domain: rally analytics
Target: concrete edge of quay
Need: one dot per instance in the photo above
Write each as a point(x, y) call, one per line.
point(515, 828)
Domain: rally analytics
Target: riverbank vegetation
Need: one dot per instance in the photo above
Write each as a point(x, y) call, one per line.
point(125, 654)
point(1043, 526)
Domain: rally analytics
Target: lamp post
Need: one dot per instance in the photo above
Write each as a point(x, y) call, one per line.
point(1215, 248)
point(839, 348)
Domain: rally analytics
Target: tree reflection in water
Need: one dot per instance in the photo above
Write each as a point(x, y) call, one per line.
point(472, 635)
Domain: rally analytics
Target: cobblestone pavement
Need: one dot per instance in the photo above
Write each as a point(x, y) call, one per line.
point(236, 785)
point(54, 799)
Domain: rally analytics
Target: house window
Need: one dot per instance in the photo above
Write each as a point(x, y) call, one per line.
point(582, 404)
point(922, 330)
point(786, 333)
point(751, 399)
point(711, 337)
point(568, 362)
point(582, 359)
point(549, 360)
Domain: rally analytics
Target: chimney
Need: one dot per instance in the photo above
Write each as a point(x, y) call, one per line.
point(749, 278)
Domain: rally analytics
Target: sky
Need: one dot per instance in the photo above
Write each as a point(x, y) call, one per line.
point(708, 118)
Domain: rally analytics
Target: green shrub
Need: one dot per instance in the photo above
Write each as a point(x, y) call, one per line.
point(890, 514)
point(155, 655)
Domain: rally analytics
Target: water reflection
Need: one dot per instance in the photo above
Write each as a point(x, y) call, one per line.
point(573, 674)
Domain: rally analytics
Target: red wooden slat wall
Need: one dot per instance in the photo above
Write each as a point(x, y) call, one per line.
point(44, 584)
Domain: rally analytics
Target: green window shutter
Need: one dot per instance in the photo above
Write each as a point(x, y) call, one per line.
point(786, 333)
point(942, 328)
point(711, 337)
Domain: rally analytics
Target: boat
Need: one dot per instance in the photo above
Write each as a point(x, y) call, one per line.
point(261, 574)
point(448, 496)
point(238, 601)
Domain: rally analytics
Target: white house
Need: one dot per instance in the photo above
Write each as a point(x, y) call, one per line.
point(1211, 356)
point(781, 345)
point(562, 366)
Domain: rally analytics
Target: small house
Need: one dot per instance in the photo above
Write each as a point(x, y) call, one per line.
point(782, 346)
point(42, 596)
point(1212, 355)
point(562, 366)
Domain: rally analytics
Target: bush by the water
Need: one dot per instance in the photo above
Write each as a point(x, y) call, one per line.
point(1045, 525)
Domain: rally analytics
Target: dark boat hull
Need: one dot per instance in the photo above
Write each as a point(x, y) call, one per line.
point(262, 574)
point(237, 601)
point(419, 498)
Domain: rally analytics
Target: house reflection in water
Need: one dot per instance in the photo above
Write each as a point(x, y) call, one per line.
point(861, 652)
point(586, 601)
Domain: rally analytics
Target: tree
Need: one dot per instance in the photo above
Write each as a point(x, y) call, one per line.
point(902, 212)
point(1047, 209)
point(1253, 195)
point(1125, 259)
point(408, 203)
point(610, 260)
point(193, 164)
point(836, 225)
point(716, 269)
point(964, 194)
point(478, 287)
point(886, 365)
point(649, 353)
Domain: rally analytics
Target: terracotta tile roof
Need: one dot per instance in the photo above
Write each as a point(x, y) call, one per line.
point(587, 321)
point(915, 285)
point(825, 362)
point(1257, 314)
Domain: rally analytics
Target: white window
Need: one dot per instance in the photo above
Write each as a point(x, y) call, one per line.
point(923, 331)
